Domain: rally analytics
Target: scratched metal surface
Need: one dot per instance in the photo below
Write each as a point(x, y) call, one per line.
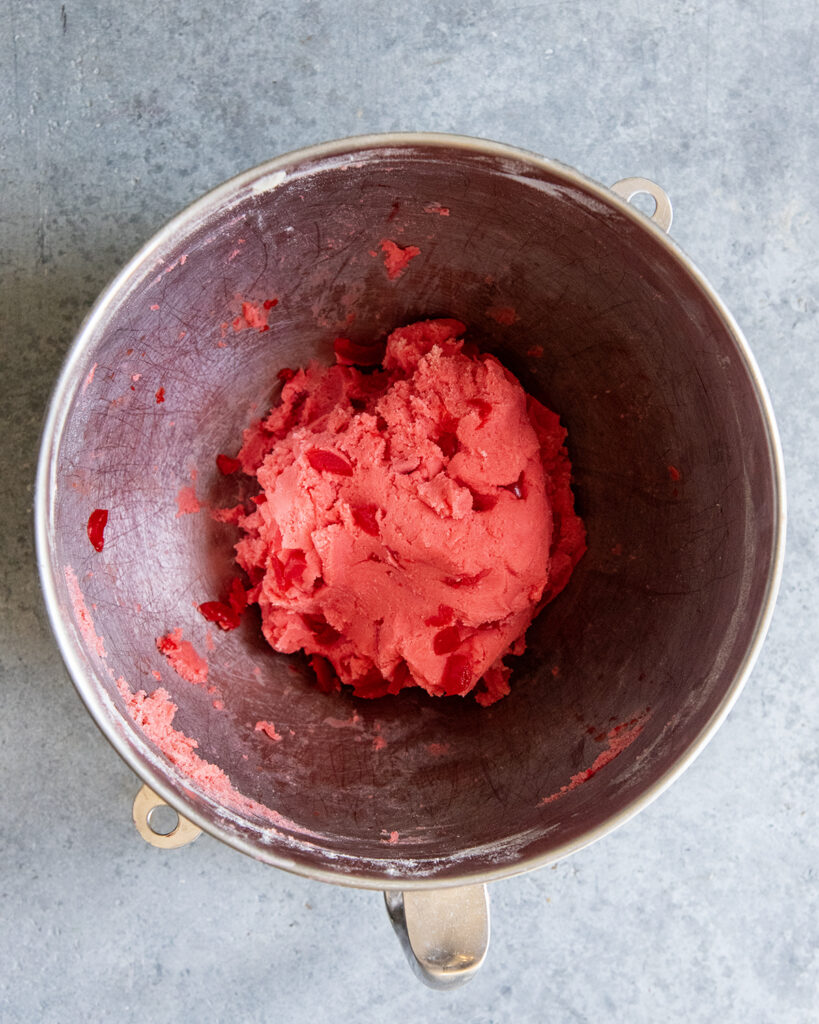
point(704, 907)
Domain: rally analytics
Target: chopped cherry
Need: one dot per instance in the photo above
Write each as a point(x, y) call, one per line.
point(96, 528)
point(443, 616)
point(227, 464)
point(447, 641)
point(364, 517)
point(324, 461)
point(457, 675)
point(222, 614)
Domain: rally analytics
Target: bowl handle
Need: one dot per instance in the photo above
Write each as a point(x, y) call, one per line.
point(444, 932)
point(627, 188)
point(184, 832)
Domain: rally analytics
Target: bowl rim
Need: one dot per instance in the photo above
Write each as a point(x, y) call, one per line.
point(267, 175)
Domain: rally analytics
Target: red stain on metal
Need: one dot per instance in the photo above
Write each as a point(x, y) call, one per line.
point(619, 739)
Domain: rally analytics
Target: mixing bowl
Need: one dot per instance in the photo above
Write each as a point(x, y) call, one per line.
point(627, 674)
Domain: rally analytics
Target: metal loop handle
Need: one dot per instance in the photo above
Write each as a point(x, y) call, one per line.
point(443, 932)
point(145, 803)
point(627, 188)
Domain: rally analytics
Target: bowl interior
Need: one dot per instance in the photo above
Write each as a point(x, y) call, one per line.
point(673, 476)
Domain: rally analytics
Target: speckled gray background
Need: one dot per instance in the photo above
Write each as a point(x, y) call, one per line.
point(112, 116)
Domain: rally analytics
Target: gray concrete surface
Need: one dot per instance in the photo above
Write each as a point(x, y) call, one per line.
point(112, 116)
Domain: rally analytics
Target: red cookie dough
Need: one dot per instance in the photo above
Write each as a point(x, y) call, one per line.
point(412, 519)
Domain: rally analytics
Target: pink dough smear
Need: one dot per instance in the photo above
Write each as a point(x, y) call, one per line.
point(254, 316)
point(81, 613)
point(186, 501)
point(154, 714)
point(89, 378)
point(412, 519)
point(182, 657)
point(619, 739)
point(269, 729)
point(397, 258)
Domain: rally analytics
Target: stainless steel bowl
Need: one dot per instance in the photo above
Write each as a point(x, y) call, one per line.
point(678, 476)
